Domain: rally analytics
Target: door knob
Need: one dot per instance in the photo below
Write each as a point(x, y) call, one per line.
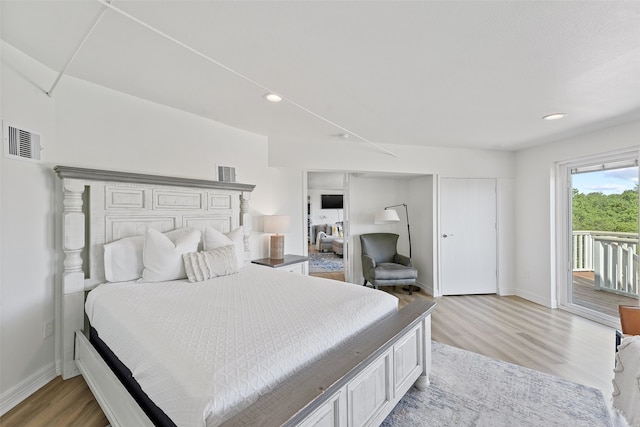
point(447, 235)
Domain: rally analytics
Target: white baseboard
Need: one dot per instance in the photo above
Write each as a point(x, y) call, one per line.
point(16, 394)
point(508, 292)
point(425, 287)
point(536, 298)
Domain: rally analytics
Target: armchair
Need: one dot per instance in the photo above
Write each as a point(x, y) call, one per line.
point(382, 265)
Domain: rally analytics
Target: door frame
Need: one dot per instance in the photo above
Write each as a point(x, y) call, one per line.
point(562, 229)
point(348, 269)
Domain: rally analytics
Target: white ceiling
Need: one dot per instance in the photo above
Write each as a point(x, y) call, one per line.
point(477, 74)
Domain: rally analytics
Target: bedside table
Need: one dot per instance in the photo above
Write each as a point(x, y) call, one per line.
point(291, 263)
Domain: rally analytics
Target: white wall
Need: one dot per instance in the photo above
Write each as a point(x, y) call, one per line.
point(534, 201)
point(421, 203)
point(506, 188)
point(27, 246)
point(89, 126)
point(355, 157)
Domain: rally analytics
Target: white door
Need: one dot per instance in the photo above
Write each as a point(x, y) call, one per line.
point(468, 236)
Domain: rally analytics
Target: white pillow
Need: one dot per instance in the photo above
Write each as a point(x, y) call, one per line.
point(123, 259)
point(214, 239)
point(162, 254)
point(209, 264)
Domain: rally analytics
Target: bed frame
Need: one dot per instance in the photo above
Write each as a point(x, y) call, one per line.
point(357, 383)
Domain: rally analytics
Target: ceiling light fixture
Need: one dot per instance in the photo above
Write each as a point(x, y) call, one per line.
point(554, 116)
point(272, 97)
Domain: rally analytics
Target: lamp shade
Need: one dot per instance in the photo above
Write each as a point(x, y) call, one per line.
point(276, 224)
point(385, 216)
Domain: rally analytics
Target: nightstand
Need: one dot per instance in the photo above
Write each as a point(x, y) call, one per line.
point(291, 263)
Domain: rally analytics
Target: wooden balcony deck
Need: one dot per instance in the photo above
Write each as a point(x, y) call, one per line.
point(585, 295)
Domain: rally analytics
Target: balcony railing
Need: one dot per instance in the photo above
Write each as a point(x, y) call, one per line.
point(613, 257)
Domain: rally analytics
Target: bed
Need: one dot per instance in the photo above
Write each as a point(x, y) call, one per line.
point(270, 354)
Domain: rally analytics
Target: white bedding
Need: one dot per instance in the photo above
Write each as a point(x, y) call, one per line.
point(626, 379)
point(204, 351)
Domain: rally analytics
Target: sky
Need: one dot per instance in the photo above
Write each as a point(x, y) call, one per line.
point(613, 181)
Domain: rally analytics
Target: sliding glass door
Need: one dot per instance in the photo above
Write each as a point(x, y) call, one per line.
point(603, 216)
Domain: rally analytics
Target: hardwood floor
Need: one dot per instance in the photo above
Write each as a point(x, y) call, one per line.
point(506, 328)
point(335, 275)
point(60, 404)
point(527, 334)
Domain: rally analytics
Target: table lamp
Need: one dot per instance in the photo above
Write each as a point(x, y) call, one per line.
point(276, 224)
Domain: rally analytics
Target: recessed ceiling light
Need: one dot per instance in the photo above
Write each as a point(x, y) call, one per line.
point(554, 116)
point(272, 97)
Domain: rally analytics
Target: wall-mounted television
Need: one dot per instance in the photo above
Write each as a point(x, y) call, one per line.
point(331, 201)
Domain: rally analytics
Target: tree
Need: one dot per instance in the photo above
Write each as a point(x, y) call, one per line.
point(600, 212)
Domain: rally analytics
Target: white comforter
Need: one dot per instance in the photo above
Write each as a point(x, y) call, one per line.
point(204, 351)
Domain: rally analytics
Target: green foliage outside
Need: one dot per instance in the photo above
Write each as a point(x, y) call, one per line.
point(600, 212)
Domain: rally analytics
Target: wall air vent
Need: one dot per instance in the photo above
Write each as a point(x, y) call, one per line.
point(226, 174)
point(20, 143)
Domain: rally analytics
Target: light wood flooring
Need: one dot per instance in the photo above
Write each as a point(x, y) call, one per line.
point(505, 328)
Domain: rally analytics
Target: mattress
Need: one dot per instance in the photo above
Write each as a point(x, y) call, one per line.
point(204, 351)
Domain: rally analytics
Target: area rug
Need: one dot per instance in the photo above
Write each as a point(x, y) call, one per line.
point(468, 389)
point(322, 262)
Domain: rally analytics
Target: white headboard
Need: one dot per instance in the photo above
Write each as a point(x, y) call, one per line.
point(102, 206)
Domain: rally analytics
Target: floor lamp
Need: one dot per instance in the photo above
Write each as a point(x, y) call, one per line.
point(389, 215)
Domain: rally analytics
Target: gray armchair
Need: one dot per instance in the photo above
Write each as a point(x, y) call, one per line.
point(382, 265)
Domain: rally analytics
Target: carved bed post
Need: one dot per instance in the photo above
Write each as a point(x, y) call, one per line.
point(73, 239)
point(422, 383)
point(245, 220)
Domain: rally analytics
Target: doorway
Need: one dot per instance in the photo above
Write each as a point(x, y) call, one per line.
point(601, 212)
point(468, 236)
point(604, 236)
point(326, 220)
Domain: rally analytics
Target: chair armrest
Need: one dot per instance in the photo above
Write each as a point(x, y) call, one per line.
point(368, 263)
point(401, 259)
point(619, 337)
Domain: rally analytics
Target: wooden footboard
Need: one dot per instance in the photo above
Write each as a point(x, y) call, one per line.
point(356, 384)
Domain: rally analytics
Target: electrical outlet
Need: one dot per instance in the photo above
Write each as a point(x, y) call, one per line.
point(47, 329)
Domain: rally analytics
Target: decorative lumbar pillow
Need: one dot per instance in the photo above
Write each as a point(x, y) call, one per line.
point(162, 254)
point(123, 259)
point(214, 239)
point(209, 264)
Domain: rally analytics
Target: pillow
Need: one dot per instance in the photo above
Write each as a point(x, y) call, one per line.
point(209, 264)
point(237, 236)
point(162, 254)
point(214, 239)
point(123, 259)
